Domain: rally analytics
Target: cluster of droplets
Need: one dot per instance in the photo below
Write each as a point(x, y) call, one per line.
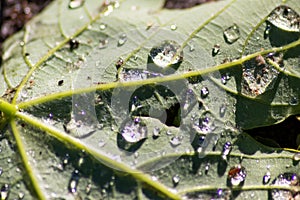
point(288, 180)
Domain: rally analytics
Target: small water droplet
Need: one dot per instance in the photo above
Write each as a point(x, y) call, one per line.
point(294, 101)
point(74, 44)
point(73, 183)
point(122, 40)
point(1, 171)
point(173, 27)
point(75, 3)
point(204, 92)
point(22, 43)
point(225, 78)
point(102, 26)
point(176, 140)
point(192, 48)
point(232, 34)
point(215, 49)
point(103, 44)
point(296, 157)
point(108, 6)
point(166, 53)
point(119, 63)
point(134, 131)
point(285, 18)
point(88, 188)
point(227, 147)
point(176, 179)
point(266, 178)
point(207, 167)
point(222, 110)
point(21, 195)
point(237, 175)
point(156, 132)
point(267, 31)
point(4, 192)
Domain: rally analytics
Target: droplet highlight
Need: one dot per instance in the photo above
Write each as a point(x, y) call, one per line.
point(176, 179)
point(231, 34)
point(166, 53)
point(296, 157)
point(215, 50)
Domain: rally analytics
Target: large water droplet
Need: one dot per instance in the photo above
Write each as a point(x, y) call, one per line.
point(232, 34)
point(286, 179)
point(237, 175)
point(259, 76)
point(134, 131)
point(226, 150)
point(73, 183)
point(175, 179)
point(122, 40)
point(176, 140)
point(166, 53)
point(4, 192)
point(285, 18)
point(75, 3)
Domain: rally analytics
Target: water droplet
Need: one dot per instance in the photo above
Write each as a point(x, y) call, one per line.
point(75, 3)
point(296, 157)
point(176, 179)
point(134, 131)
point(222, 110)
point(102, 26)
point(122, 40)
point(103, 44)
point(237, 175)
point(132, 75)
point(176, 140)
point(258, 75)
point(227, 147)
point(294, 101)
point(119, 63)
point(88, 188)
point(285, 18)
point(266, 177)
point(4, 192)
point(1, 171)
point(286, 179)
point(74, 181)
point(204, 92)
point(207, 167)
point(167, 53)
point(22, 43)
point(108, 6)
point(21, 195)
point(225, 78)
point(192, 48)
point(156, 132)
point(66, 160)
point(74, 44)
point(173, 27)
point(267, 31)
point(215, 49)
point(232, 34)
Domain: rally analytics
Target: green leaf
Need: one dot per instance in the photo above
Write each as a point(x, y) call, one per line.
point(88, 113)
